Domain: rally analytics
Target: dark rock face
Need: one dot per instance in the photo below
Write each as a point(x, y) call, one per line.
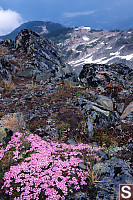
point(97, 74)
point(13, 122)
point(6, 70)
point(79, 196)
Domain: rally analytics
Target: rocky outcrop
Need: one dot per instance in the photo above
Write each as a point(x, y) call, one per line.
point(7, 43)
point(47, 62)
point(94, 75)
point(32, 56)
point(112, 85)
point(9, 124)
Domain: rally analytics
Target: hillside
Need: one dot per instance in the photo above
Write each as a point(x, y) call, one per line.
point(62, 135)
point(45, 29)
point(102, 47)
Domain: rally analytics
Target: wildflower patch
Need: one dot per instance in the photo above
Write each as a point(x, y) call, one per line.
point(43, 169)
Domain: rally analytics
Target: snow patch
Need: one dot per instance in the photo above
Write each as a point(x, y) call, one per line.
point(109, 48)
point(115, 54)
point(103, 60)
point(85, 38)
point(128, 57)
point(92, 41)
point(86, 28)
point(122, 47)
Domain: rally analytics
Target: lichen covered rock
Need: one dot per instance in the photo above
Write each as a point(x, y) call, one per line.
point(3, 133)
point(128, 112)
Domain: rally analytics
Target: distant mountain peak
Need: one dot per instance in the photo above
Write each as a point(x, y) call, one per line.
point(46, 29)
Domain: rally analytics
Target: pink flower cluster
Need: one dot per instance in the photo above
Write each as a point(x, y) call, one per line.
point(45, 169)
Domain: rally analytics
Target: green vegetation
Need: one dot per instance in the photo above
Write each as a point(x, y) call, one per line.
point(64, 129)
point(3, 134)
point(78, 93)
point(80, 47)
point(59, 36)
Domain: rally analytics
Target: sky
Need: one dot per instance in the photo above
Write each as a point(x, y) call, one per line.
point(99, 14)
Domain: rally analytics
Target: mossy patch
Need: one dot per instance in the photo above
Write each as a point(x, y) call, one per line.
point(3, 134)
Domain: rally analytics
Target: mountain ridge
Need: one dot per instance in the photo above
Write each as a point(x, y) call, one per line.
point(83, 45)
point(46, 29)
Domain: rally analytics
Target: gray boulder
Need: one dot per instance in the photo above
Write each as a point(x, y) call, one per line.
point(128, 112)
point(96, 115)
point(99, 116)
point(105, 101)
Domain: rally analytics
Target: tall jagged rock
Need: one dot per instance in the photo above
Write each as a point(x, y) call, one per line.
point(47, 61)
point(32, 56)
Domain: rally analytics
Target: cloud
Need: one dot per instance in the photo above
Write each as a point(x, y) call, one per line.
point(75, 14)
point(9, 20)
